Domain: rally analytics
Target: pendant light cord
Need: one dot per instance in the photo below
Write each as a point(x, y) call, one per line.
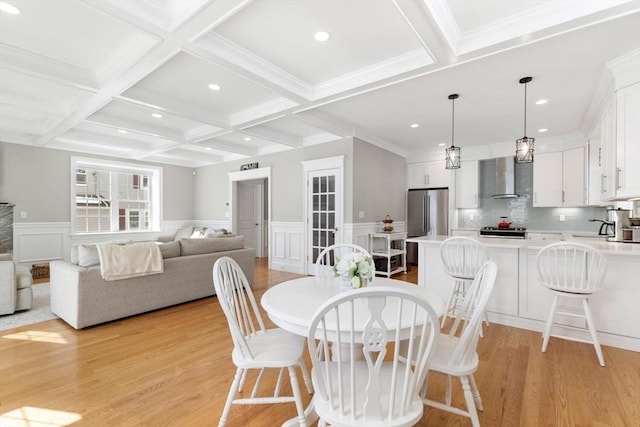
point(453, 115)
point(525, 110)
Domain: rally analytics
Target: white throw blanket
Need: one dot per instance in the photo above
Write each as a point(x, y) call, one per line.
point(126, 261)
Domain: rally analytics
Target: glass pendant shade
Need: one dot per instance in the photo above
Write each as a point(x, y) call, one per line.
point(452, 154)
point(453, 157)
point(524, 145)
point(524, 150)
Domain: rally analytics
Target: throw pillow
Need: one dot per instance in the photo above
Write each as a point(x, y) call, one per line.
point(199, 233)
point(183, 233)
point(88, 255)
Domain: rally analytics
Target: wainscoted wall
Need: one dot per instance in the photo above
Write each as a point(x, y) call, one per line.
point(287, 242)
point(520, 210)
point(46, 241)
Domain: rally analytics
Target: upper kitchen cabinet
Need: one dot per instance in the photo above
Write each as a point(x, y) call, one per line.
point(467, 185)
point(620, 132)
point(427, 175)
point(628, 142)
point(559, 179)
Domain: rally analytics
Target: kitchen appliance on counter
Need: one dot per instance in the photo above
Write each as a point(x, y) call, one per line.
point(631, 234)
point(427, 215)
point(620, 219)
point(504, 232)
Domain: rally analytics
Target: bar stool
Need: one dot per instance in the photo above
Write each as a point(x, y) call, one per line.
point(571, 271)
point(462, 258)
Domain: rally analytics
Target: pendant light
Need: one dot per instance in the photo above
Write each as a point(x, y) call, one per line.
point(524, 145)
point(453, 152)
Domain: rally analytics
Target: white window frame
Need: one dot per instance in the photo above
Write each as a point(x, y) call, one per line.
point(155, 196)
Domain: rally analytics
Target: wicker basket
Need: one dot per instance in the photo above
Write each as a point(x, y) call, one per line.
point(40, 271)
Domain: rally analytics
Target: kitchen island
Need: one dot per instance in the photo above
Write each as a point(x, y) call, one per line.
point(519, 301)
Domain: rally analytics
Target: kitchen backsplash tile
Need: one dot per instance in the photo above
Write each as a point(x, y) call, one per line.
point(520, 210)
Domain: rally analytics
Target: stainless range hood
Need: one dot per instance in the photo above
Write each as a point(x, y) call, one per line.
point(505, 178)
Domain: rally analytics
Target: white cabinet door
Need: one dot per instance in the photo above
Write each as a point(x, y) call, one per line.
point(547, 180)
point(619, 299)
point(573, 182)
point(416, 175)
point(627, 176)
point(427, 175)
point(594, 185)
point(467, 185)
point(437, 174)
point(608, 152)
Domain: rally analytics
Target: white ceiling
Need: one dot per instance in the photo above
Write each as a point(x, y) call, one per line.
point(76, 75)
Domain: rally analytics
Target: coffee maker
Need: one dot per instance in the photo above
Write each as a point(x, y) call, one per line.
point(619, 219)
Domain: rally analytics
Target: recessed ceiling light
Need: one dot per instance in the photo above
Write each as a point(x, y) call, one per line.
point(9, 8)
point(414, 125)
point(156, 115)
point(214, 86)
point(208, 148)
point(246, 138)
point(442, 144)
point(322, 36)
point(541, 101)
point(543, 130)
point(122, 131)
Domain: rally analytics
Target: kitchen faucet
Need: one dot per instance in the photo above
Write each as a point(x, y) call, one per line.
point(605, 226)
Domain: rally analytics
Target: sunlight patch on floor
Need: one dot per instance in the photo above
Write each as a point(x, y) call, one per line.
point(28, 416)
point(39, 336)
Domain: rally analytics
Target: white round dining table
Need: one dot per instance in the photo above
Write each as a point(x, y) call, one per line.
point(292, 304)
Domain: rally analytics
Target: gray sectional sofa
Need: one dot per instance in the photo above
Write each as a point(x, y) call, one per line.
point(82, 298)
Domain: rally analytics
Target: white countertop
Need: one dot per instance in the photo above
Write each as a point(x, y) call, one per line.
point(599, 243)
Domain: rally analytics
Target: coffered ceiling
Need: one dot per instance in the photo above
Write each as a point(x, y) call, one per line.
point(199, 82)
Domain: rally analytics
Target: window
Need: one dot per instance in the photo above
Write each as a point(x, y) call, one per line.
point(115, 197)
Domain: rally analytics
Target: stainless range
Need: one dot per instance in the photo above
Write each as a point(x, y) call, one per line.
point(508, 233)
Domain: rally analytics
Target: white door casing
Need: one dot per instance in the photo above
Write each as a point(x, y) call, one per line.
point(235, 178)
point(323, 206)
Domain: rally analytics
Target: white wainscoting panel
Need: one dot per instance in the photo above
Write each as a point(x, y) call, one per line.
point(40, 241)
point(286, 246)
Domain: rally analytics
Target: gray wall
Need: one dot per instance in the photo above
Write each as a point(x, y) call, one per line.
point(37, 180)
point(378, 183)
point(212, 182)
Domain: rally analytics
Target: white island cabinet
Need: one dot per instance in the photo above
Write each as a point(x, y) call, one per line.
point(519, 300)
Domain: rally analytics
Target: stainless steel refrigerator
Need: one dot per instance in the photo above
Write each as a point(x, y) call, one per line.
point(427, 215)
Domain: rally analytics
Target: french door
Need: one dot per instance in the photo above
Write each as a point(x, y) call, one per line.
point(324, 212)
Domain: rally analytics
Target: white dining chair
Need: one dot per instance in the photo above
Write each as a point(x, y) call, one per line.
point(456, 353)
point(254, 346)
point(462, 258)
point(571, 271)
point(369, 383)
point(327, 258)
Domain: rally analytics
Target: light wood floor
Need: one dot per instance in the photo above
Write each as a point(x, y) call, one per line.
point(173, 367)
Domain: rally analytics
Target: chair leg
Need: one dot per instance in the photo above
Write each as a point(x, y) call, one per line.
point(476, 393)
point(295, 387)
point(547, 328)
point(592, 329)
point(447, 397)
point(306, 377)
point(232, 392)
point(450, 301)
point(468, 397)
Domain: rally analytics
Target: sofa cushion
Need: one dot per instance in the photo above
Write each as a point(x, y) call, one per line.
point(23, 277)
point(88, 255)
point(170, 249)
point(205, 246)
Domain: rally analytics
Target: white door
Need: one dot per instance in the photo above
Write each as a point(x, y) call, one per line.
point(250, 215)
point(324, 212)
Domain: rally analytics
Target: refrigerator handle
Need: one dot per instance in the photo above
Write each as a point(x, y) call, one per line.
point(427, 215)
point(424, 214)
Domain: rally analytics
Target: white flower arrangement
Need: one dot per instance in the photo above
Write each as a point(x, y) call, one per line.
point(357, 267)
